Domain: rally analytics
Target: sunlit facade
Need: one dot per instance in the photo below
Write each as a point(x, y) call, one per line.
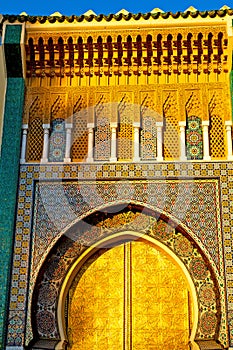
point(117, 181)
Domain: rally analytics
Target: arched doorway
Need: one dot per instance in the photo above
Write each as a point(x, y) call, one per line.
point(131, 296)
point(75, 252)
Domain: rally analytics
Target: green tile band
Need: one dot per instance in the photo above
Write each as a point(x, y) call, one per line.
point(9, 165)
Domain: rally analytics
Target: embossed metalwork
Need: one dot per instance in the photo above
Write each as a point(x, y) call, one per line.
point(140, 301)
point(95, 310)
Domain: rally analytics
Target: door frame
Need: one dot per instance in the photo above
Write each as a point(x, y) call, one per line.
point(108, 242)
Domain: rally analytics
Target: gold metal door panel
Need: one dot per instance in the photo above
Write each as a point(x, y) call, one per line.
point(159, 301)
point(132, 297)
point(96, 297)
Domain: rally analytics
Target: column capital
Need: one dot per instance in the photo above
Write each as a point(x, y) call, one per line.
point(113, 125)
point(136, 125)
point(46, 126)
point(182, 123)
point(205, 123)
point(228, 122)
point(24, 126)
point(90, 125)
point(69, 125)
point(159, 124)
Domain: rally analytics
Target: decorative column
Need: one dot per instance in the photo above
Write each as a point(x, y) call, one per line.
point(113, 157)
point(159, 126)
point(24, 143)
point(206, 147)
point(68, 127)
point(183, 156)
point(136, 156)
point(228, 126)
point(90, 127)
point(44, 158)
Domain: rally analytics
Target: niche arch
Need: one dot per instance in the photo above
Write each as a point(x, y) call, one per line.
point(111, 242)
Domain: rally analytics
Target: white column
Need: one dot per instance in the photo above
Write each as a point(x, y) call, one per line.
point(24, 143)
point(113, 157)
point(159, 126)
point(206, 147)
point(228, 126)
point(136, 156)
point(90, 127)
point(44, 158)
point(69, 127)
point(182, 125)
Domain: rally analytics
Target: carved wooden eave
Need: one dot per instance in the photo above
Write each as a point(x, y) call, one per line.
point(155, 43)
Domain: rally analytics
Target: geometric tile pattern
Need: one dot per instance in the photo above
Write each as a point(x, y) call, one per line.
point(148, 132)
point(125, 129)
point(194, 141)
point(102, 139)
point(171, 126)
point(171, 138)
point(57, 141)
point(194, 203)
point(35, 136)
point(158, 186)
point(217, 139)
point(79, 147)
point(35, 140)
point(102, 128)
point(148, 138)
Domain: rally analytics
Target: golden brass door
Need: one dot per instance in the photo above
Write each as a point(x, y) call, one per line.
point(130, 297)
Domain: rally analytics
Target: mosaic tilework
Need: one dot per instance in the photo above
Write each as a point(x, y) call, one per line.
point(60, 204)
point(194, 139)
point(210, 171)
point(57, 140)
point(102, 138)
point(10, 151)
point(148, 138)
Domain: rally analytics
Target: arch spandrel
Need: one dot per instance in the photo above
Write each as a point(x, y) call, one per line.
point(79, 221)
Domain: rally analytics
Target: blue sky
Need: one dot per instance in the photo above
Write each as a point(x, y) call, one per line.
point(77, 7)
